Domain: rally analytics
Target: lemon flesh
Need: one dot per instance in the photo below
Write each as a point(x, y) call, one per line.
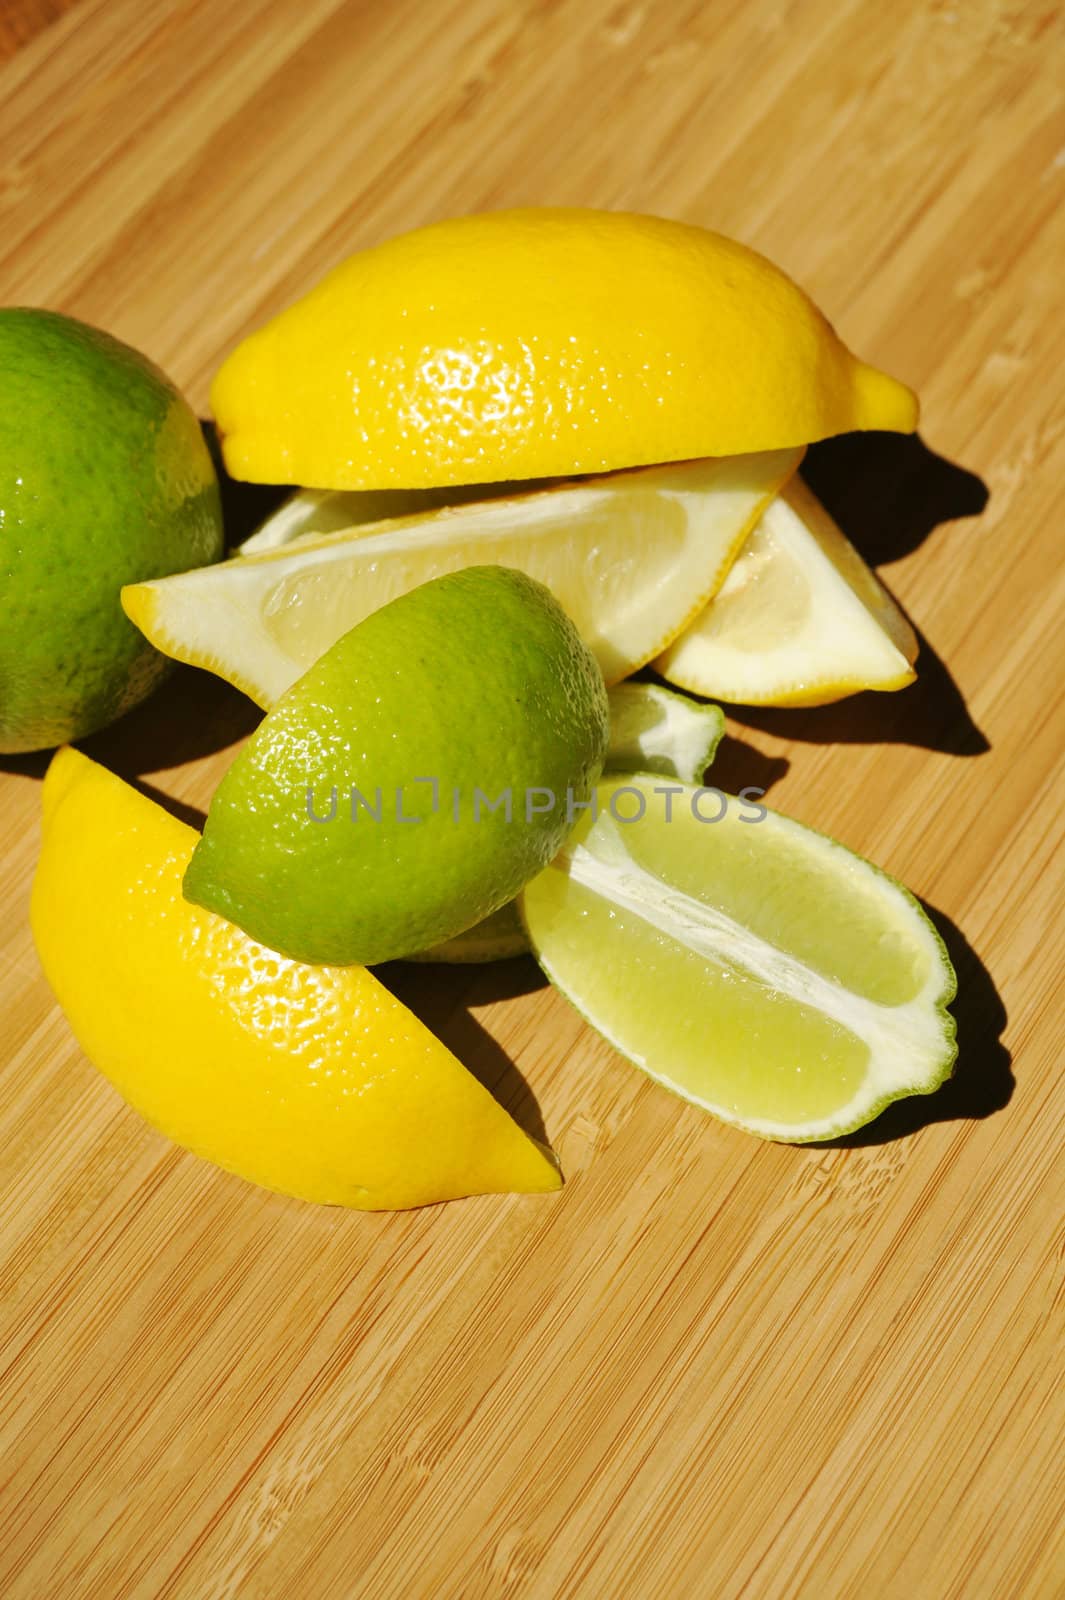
point(759, 969)
point(651, 730)
point(314, 1081)
point(631, 559)
point(539, 343)
point(800, 619)
point(413, 779)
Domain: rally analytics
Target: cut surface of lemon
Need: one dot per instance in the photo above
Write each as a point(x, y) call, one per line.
point(632, 558)
point(540, 343)
point(759, 969)
point(799, 620)
point(311, 1080)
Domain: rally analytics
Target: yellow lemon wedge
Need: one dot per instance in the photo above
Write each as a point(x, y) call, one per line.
point(314, 1081)
point(631, 558)
point(539, 343)
point(799, 621)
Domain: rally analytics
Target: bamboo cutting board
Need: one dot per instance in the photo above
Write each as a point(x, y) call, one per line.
point(710, 1367)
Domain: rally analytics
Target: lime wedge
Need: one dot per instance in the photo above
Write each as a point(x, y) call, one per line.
point(658, 730)
point(759, 969)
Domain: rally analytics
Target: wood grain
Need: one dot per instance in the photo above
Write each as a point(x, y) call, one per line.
point(21, 20)
point(710, 1367)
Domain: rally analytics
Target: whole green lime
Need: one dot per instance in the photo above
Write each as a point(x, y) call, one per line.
point(414, 779)
point(104, 479)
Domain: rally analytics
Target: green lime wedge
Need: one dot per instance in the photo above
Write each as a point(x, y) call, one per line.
point(759, 969)
point(412, 781)
point(659, 730)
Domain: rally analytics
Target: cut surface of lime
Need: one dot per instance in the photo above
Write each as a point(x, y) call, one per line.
point(759, 969)
point(653, 729)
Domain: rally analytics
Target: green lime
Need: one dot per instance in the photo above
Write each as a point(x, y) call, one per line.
point(409, 784)
point(757, 968)
point(105, 479)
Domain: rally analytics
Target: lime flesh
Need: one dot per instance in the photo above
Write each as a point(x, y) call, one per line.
point(759, 969)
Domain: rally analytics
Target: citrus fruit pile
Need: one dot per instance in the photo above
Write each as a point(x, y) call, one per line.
point(538, 451)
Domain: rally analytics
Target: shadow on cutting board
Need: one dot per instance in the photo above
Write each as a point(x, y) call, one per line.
point(441, 996)
point(888, 492)
point(191, 714)
point(738, 765)
point(930, 713)
point(983, 1082)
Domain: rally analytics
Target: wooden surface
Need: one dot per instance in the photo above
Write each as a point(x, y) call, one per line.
point(710, 1367)
point(21, 20)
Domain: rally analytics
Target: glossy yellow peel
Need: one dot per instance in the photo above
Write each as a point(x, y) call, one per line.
point(538, 343)
point(314, 1081)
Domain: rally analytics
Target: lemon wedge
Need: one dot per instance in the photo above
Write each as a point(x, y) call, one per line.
point(311, 1080)
point(540, 343)
point(632, 558)
point(307, 512)
point(800, 620)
